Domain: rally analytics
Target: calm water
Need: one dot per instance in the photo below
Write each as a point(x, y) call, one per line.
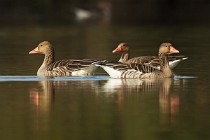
point(98, 107)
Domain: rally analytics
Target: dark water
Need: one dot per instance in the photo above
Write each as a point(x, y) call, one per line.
point(98, 107)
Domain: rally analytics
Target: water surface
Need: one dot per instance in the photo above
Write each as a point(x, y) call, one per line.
point(98, 107)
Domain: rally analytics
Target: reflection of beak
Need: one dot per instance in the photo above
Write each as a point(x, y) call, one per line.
point(34, 51)
point(116, 50)
point(173, 50)
point(34, 96)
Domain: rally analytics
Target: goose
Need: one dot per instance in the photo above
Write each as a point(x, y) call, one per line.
point(69, 67)
point(123, 48)
point(142, 71)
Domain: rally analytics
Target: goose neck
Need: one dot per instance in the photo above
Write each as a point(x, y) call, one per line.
point(49, 58)
point(164, 65)
point(124, 57)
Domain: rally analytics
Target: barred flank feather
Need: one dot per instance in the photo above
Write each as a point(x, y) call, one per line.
point(66, 67)
point(142, 67)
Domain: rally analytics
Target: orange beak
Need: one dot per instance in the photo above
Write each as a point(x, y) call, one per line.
point(173, 50)
point(34, 51)
point(116, 50)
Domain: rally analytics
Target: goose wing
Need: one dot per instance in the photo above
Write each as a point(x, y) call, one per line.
point(71, 64)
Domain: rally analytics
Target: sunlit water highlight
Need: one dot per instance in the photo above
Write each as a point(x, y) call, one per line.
point(36, 78)
point(82, 78)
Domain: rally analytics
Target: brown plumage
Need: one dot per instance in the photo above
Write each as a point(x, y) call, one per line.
point(151, 60)
point(142, 70)
point(68, 67)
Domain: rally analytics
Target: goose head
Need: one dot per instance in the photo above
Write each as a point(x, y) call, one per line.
point(44, 47)
point(167, 48)
point(122, 47)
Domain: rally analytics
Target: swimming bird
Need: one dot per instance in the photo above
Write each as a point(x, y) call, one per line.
point(142, 70)
point(123, 48)
point(68, 67)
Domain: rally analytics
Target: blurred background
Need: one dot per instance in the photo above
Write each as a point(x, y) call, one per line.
point(113, 11)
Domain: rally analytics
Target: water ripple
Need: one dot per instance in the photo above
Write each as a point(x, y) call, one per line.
point(184, 77)
point(73, 78)
point(36, 78)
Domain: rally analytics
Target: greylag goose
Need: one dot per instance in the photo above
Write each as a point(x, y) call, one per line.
point(69, 67)
point(152, 60)
point(142, 71)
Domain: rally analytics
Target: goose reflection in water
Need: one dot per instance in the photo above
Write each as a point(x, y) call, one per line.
point(133, 85)
point(121, 91)
point(41, 99)
point(168, 100)
point(43, 96)
point(168, 103)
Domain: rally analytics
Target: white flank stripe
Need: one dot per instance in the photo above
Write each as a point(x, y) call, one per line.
point(112, 72)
